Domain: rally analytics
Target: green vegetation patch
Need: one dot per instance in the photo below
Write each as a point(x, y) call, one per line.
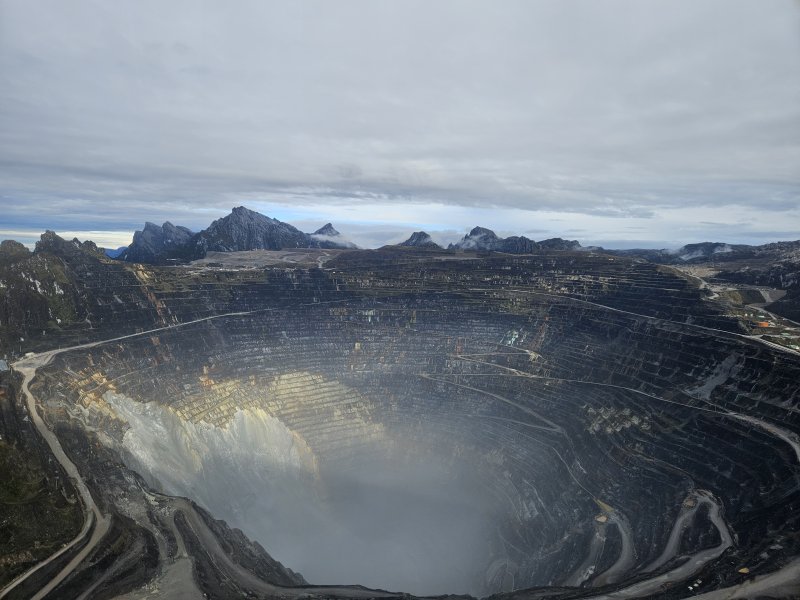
point(38, 512)
point(36, 517)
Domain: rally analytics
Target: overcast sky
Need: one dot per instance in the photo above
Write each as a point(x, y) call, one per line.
point(623, 123)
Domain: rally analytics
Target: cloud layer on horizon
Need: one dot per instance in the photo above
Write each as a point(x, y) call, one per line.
point(614, 117)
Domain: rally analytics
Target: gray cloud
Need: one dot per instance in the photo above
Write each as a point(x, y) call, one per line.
point(116, 113)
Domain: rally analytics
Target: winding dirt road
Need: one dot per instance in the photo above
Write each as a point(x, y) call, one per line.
point(95, 521)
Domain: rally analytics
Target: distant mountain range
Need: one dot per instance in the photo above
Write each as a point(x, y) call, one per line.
point(485, 240)
point(775, 265)
point(481, 238)
point(714, 251)
point(243, 229)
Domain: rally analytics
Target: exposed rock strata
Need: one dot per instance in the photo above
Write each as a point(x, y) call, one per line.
point(572, 397)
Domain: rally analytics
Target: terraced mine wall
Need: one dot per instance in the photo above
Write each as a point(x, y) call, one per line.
point(479, 424)
point(64, 294)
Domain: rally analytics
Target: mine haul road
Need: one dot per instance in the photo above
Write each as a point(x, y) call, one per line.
point(94, 520)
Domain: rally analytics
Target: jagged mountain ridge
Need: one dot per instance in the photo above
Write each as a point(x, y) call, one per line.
point(154, 243)
point(484, 239)
point(245, 229)
point(242, 229)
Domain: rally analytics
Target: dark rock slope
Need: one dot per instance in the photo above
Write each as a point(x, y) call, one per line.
point(245, 229)
point(156, 244)
point(775, 265)
point(69, 291)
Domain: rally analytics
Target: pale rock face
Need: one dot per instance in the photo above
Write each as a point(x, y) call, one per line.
point(177, 452)
point(241, 473)
point(399, 523)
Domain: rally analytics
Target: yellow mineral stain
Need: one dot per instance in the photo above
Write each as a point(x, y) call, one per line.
point(603, 506)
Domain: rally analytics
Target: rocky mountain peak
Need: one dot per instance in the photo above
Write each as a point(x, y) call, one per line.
point(245, 229)
point(328, 237)
point(53, 243)
point(482, 232)
point(421, 239)
point(242, 214)
point(156, 243)
point(168, 227)
point(483, 239)
point(327, 230)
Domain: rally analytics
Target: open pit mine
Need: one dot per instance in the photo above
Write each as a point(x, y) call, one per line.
point(365, 424)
